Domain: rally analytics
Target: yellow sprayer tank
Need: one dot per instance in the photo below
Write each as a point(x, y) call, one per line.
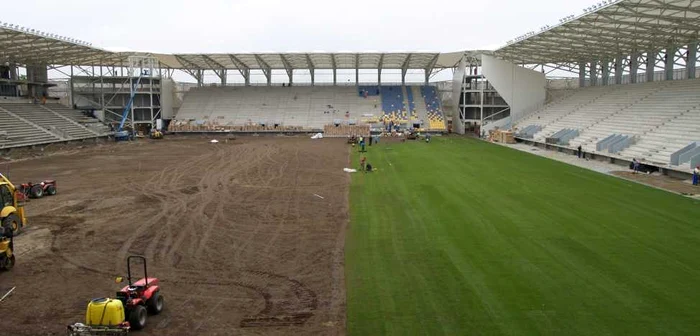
point(104, 312)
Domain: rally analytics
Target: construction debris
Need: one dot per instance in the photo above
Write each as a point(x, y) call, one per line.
point(7, 294)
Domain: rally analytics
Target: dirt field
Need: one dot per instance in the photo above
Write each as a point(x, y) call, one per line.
point(233, 230)
point(663, 182)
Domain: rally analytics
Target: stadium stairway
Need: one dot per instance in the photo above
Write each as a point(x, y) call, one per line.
point(411, 104)
point(47, 119)
point(21, 132)
point(561, 108)
point(586, 117)
point(393, 103)
point(421, 110)
point(91, 123)
point(436, 118)
point(663, 117)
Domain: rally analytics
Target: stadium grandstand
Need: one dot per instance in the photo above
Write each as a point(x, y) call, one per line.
point(619, 80)
point(539, 188)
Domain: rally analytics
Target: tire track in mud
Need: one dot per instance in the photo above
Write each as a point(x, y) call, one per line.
point(194, 212)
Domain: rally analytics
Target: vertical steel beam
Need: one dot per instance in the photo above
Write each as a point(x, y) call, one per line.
point(605, 72)
point(357, 69)
point(335, 70)
point(691, 57)
point(618, 70)
point(581, 74)
point(634, 66)
point(651, 65)
point(669, 62)
point(594, 73)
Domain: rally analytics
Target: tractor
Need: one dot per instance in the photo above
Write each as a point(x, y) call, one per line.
point(129, 311)
point(38, 190)
point(7, 257)
point(11, 207)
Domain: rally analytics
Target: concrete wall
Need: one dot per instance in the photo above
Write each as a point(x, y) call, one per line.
point(457, 80)
point(524, 90)
point(167, 98)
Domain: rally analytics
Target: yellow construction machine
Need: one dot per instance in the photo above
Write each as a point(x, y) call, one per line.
point(11, 207)
point(7, 257)
point(156, 134)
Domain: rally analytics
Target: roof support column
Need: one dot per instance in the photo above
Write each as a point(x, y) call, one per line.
point(379, 73)
point(312, 69)
point(265, 69)
point(222, 75)
point(605, 73)
point(581, 74)
point(357, 69)
point(246, 76)
point(618, 70)
point(335, 70)
point(404, 68)
point(691, 58)
point(634, 66)
point(594, 73)
point(669, 62)
point(243, 69)
point(288, 68)
point(651, 62)
point(72, 101)
point(430, 67)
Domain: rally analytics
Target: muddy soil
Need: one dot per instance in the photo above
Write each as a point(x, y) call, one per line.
point(246, 236)
point(664, 182)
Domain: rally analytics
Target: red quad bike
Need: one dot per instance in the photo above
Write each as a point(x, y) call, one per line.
point(140, 297)
point(38, 190)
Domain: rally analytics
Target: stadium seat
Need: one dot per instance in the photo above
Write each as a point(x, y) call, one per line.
point(662, 116)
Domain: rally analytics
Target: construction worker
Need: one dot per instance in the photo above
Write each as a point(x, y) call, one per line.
point(696, 176)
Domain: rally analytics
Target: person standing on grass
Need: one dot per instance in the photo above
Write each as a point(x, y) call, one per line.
point(696, 176)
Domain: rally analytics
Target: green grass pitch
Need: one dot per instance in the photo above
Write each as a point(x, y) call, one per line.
point(463, 237)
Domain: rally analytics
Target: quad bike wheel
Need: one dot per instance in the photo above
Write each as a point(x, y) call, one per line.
point(51, 190)
point(137, 317)
point(36, 191)
point(155, 304)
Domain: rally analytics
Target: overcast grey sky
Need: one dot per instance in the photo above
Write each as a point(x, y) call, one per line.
point(210, 26)
point(185, 26)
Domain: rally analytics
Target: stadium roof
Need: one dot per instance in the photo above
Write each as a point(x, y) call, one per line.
point(27, 46)
point(30, 47)
point(608, 30)
point(319, 60)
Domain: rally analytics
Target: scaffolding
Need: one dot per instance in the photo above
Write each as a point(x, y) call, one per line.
point(110, 89)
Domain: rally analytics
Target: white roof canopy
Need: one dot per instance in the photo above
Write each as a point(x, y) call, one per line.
point(341, 60)
point(612, 29)
point(28, 47)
